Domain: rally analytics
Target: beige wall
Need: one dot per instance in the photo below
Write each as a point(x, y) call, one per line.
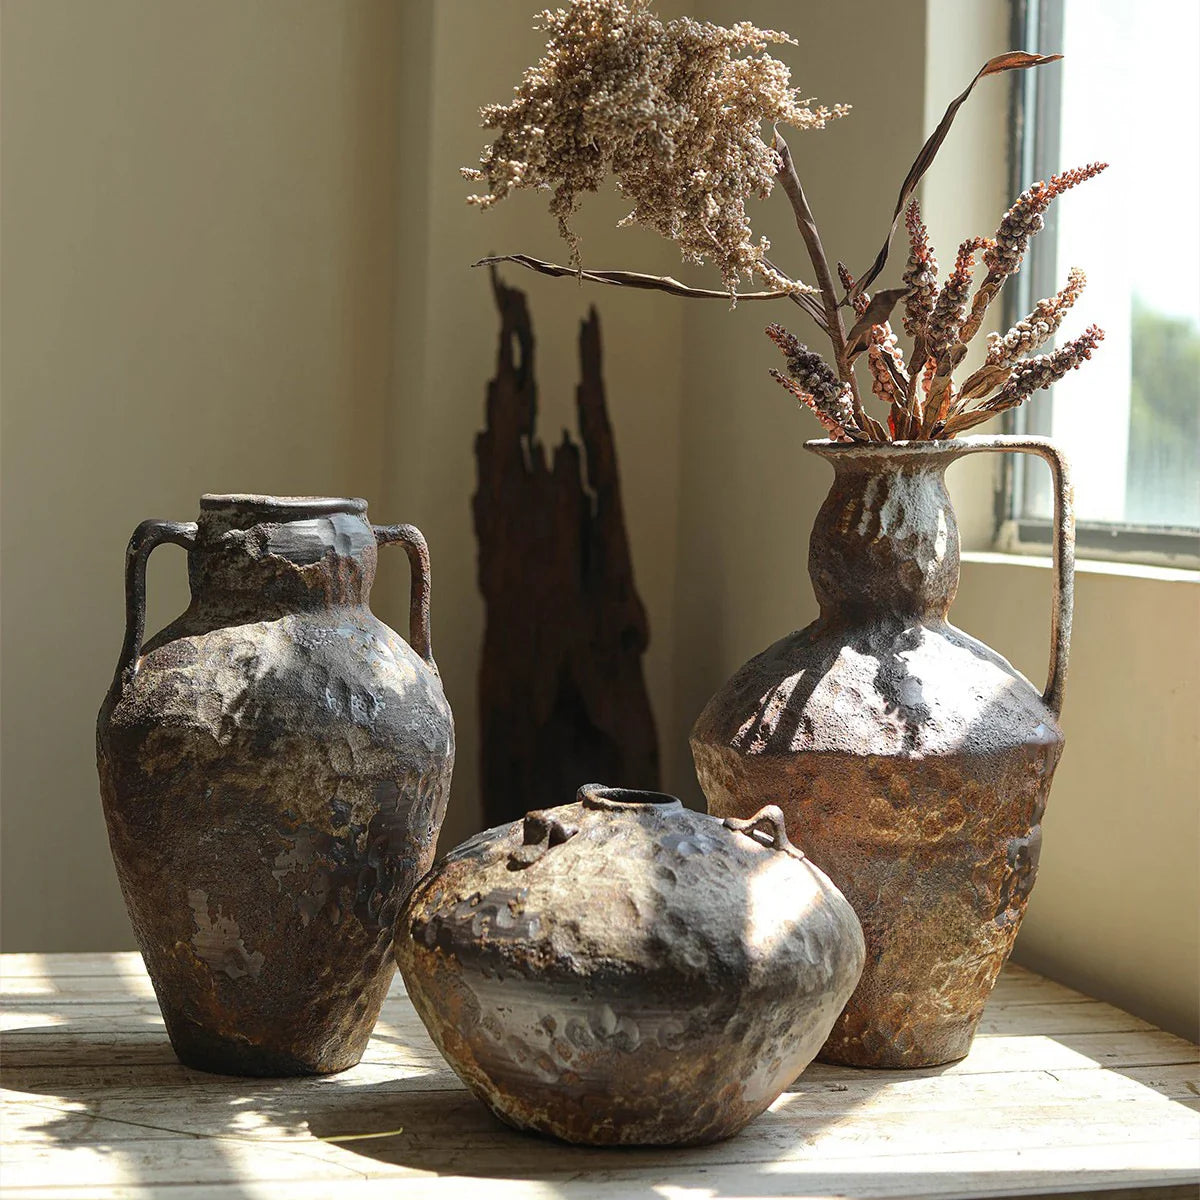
point(198, 261)
point(236, 256)
point(448, 347)
point(1116, 910)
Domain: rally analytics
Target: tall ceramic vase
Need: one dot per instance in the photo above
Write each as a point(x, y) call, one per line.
point(274, 767)
point(911, 761)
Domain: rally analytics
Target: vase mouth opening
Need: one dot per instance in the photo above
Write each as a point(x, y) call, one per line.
point(282, 508)
point(614, 799)
point(917, 448)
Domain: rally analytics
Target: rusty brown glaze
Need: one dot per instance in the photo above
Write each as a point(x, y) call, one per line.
point(912, 762)
point(622, 970)
point(274, 767)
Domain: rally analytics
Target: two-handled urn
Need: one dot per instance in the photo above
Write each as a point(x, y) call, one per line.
point(274, 767)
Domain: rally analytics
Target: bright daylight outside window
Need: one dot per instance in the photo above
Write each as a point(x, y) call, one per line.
point(1131, 426)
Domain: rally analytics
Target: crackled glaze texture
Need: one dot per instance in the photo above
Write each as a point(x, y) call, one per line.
point(912, 763)
point(274, 767)
point(624, 971)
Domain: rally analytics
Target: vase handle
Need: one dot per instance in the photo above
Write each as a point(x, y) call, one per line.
point(417, 549)
point(769, 822)
point(1063, 601)
point(145, 537)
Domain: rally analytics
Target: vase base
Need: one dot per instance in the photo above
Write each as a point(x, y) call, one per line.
point(880, 1049)
point(204, 1050)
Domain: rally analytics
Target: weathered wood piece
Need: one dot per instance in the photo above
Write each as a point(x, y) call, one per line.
point(1060, 1094)
point(562, 694)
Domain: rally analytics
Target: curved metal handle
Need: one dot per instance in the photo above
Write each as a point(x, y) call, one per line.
point(1062, 603)
point(768, 820)
point(145, 537)
point(417, 549)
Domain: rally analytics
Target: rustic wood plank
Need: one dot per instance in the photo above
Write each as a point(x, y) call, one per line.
point(1012, 988)
point(1079, 1015)
point(1061, 1094)
point(279, 1110)
point(1039, 1176)
point(1075, 1016)
point(59, 966)
point(413, 1052)
point(438, 1131)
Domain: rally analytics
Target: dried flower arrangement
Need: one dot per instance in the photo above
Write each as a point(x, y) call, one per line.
point(673, 112)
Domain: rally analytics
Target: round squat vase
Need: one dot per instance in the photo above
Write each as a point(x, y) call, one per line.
point(911, 761)
point(624, 971)
point(274, 767)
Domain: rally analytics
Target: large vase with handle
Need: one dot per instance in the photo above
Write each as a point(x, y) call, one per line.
point(274, 767)
point(911, 761)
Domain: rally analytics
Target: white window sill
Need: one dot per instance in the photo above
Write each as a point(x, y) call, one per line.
point(1085, 566)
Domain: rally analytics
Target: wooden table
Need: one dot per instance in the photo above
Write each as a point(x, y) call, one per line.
point(1061, 1094)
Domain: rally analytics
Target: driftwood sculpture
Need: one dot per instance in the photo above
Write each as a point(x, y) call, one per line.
point(562, 695)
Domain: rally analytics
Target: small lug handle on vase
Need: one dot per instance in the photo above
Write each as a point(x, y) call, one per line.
point(768, 820)
point(146, 537)
point(417, 549)
point(1063, 599)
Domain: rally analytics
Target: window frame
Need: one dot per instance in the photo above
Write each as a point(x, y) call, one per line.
point(1037, 26)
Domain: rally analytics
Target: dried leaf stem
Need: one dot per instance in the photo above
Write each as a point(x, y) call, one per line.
point(816, 253)
point(635, 279)
point(1014, 60)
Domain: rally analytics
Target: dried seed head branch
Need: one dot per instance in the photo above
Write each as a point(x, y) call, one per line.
point(944, 349)
point(950, 306)
point(1037, 328)
point(1025, 218)
point(812, 381)
point(920, 275)
point(1027, 377)
point(1032, 374)
point(671, 111)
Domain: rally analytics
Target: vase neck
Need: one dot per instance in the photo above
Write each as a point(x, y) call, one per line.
point(259, 557)
point(885, 542)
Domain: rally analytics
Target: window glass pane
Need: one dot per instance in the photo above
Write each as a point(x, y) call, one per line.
point(1130, 418)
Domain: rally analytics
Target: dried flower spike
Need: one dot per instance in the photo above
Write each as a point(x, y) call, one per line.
point(813, 382)
point(1040, 372)
point(1037, 328)
point(885, 360)
point(951, 304)
point(920, 276)
point(1025, 218)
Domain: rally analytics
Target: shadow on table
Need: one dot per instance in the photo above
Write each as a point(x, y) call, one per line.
point(451, 1134)
point(124, 1086)
point(127, 1092)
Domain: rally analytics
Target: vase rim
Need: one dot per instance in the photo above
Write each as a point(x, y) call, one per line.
point(615, 799)
point(913, 448)
point(289, 507)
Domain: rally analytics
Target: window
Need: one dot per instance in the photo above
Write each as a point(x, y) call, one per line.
point(1128, 92)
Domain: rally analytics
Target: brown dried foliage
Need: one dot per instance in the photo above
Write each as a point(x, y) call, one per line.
point(673, 112)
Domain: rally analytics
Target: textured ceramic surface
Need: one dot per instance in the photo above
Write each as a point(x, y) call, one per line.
point(623, 970)
point(911, 761)
point(274, 767)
